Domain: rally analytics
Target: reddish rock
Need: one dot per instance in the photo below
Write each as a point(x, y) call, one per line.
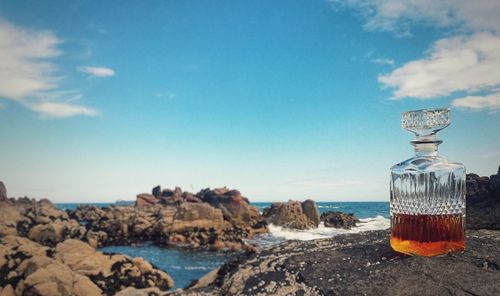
point(145, 199)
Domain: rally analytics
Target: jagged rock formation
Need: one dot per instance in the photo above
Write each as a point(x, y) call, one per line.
point(38, 256)
point(358, 264)
point(339, 219)
point(483, 201)
point(71, 268)
point(38, 220)
point(293, 214)
point(219, 218)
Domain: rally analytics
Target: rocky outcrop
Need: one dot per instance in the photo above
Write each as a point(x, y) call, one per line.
point(3, 192)
point(293, 214)
point(483, 201)
point(358, 264)
point(111, 273)
point(235, 208)
point(214, 219)
point(39, 220)
point(71, 268)
point(339, 219)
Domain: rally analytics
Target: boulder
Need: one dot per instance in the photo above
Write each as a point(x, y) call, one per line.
point(196, 215)
point(71, 268)
point(145, 199)
point(45, 276)
point(311, 211)
point(156, 191)
point(359, 264)
point(3, 192)
point(339, 219)
point(291, 215)
point(235, 208)
point(52, 233)
point(111, 272)
point(483, 201)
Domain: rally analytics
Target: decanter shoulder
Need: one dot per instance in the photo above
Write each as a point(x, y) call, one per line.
point(428, 164)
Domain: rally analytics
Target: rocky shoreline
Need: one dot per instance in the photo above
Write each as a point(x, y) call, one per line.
point(357, 264)
point(47, 251)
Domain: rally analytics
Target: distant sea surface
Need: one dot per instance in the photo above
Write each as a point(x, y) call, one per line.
point(185, 266)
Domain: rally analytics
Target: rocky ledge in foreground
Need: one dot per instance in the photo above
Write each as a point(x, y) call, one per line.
point(358, 264)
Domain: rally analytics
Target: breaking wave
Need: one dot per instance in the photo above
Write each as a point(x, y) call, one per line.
point(278, 234)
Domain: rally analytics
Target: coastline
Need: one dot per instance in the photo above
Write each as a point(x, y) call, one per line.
point(37, 239)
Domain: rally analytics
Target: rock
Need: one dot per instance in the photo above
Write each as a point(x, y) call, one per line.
point(110, 272)
point(45, 276)
point(483, 201)
point(311, 211)
point(339, 220)
point(156, 192)
point(235, 208)
point(52, 233)
point(7, 291)
point(131, 291)
point(177, 192)
point(145, 199)
point(360, 264)
point(219, 218)
point(167, 192)
point(196, 215)
point(22, 216)
point(3, 192)
point(291, 215)
point(27, 268)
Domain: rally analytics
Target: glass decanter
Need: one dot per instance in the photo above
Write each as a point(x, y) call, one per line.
point(427, 192)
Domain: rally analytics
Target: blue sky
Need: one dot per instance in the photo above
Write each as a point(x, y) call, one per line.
point(101, 100)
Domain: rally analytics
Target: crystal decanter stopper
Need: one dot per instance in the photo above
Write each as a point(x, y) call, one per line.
point(427, 192)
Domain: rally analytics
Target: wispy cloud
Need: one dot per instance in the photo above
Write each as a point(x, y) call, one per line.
point(28, 74)
point(97, 71)
point(383, 61)
point(491, 102)
point(469, 62)
point(398, 16)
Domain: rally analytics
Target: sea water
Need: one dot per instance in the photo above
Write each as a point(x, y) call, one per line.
point(184, 266)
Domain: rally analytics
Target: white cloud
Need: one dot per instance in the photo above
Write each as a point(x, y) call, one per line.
point(491, 102)
point(468, 63)
point(398, 16)
point(383, 61)
point(454, 64)
point(97, 71)
point(28, 74)
point(61, 110)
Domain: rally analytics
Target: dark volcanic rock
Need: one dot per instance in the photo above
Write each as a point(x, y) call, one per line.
point(483, 201)
point(339, 219)
point(359, 264)
point(3, 192)
point(293, 214)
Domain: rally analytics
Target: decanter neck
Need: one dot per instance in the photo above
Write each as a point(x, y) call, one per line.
point(426, 145)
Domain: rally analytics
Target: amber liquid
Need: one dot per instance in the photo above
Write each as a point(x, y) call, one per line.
point(427, 235)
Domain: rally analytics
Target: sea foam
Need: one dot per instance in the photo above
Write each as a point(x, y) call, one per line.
point(278, 234)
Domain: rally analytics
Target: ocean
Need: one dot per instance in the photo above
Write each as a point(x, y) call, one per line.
point(184, 266)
